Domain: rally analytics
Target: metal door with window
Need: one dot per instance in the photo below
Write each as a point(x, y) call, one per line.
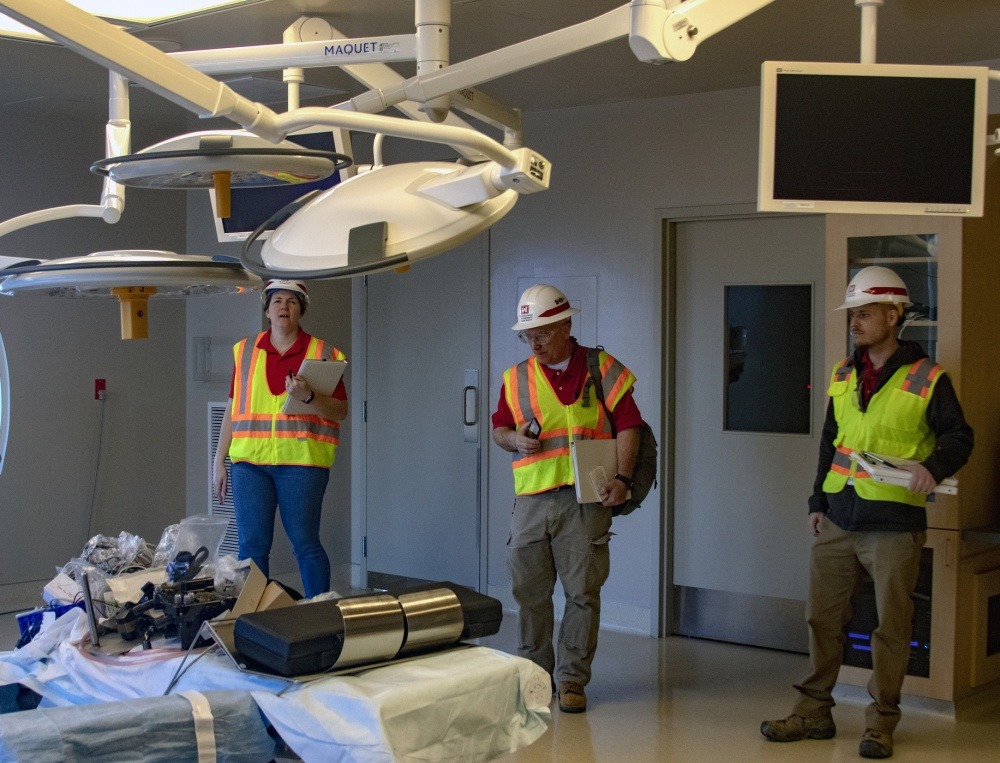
point(425, 354)
point(740, 542)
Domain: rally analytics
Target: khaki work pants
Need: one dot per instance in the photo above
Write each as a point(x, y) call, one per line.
point(838, 562)
point(551, 534)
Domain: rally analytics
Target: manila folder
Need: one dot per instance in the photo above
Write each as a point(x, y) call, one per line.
point(323, 377)
point(595, 463)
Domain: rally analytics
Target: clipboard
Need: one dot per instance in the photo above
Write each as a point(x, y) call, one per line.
point(883, 469)
point(323, 377)
point(595, 463)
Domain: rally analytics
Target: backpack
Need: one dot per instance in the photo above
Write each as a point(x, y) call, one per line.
point(644, 475)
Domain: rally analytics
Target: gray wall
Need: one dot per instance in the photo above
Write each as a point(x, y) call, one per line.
point(51, 482)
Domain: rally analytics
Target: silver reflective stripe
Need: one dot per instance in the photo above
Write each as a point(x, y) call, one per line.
point(609, 379)
point(842, 459)
point(252, 425)
point(300, 425)
point(523, 393)
point(246, 354)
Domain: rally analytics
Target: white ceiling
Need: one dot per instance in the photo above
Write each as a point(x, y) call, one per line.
point(46, 79)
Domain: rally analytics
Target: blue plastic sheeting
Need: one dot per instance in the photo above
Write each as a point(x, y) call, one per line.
point(149, 730)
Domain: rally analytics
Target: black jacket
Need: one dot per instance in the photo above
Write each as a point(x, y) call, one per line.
point(952, 449)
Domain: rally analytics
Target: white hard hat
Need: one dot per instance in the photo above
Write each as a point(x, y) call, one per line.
point(277, 284)
point(875, 284)
point(541, 305)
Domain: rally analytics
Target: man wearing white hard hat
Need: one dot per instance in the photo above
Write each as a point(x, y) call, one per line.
point(546, 401)
point(280, 461)
point(891, 400)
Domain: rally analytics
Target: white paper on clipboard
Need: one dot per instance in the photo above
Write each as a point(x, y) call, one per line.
point(887, 472)
point(323, 377)
point(595, 463)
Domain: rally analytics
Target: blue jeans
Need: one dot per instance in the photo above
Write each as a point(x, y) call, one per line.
point(298, 492)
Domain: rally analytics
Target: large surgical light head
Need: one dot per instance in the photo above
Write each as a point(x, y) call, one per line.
point(132, 277)
point(386, 218)
point(221, 160)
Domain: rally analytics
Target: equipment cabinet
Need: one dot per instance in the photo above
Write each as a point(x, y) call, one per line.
point(952, 269)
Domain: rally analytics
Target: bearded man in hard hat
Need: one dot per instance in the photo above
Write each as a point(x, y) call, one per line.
point(280, 461)
point(888, 399)
point(545, 402)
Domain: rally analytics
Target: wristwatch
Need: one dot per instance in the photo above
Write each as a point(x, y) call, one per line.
point(626, 481)
point(310, 398)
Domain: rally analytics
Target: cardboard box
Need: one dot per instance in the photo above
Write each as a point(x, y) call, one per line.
point(257, 594)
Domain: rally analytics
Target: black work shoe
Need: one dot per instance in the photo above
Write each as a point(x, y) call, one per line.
point(796, 727)
point(572, 698)
point(875, 744)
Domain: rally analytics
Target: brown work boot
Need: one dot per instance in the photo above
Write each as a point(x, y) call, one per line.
point(875, 744)
point(572, 698)
point(796, 727)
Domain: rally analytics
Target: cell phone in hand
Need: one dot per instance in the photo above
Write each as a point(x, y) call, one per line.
point(533, 429)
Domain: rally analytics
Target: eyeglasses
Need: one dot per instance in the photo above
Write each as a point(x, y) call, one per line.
point(541, 337)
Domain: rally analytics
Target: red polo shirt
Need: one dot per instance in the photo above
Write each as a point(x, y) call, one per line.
point(278, 367)
point(568, 385)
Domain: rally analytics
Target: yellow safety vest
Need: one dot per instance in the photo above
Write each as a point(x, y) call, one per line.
point(529, 394)
point(262, 434)
point(895, 424)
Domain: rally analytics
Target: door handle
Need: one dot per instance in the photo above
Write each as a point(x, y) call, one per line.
point(468, 420)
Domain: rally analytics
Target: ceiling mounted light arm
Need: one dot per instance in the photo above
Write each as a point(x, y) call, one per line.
point(101, 42)
point(140, 62)
point(498, 63)
point(116, 141)
point(659, 31)
point(399, 128)
point(664, 31)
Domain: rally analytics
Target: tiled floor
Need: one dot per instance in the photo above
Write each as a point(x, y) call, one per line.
point(686, 700)
point(689, 700)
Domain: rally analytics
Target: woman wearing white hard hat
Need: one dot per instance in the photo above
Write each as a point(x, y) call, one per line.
point(280, 461)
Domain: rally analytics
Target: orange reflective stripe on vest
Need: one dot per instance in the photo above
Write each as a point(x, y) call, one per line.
point(529, 394)
point(894, 424)
point(921, 377)
point(262, 434)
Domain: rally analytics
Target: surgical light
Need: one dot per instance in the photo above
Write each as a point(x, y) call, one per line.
point(221, 160)
point(132, 277)
point(347, 230)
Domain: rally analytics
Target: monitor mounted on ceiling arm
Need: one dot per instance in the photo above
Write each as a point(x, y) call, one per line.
point(249, 207)
point(872, 138)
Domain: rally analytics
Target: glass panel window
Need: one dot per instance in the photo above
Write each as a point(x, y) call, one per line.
point(768, 358)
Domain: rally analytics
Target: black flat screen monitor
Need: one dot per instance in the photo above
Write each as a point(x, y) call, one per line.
point(250, 207)
point(872, 138)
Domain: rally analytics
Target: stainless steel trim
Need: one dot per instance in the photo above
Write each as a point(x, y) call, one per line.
point(741, 618)
point(433, 618)
point(373, 629)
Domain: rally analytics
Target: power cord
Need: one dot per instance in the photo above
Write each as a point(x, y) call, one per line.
point(102, 399)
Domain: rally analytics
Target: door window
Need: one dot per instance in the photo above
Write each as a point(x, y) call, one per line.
point(768, 358)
